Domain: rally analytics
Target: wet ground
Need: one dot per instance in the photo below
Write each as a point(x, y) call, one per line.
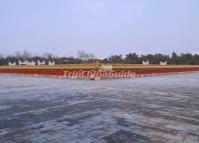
point(162, 109)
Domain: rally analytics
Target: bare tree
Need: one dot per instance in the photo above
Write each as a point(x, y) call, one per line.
point(1, 56)
point(26, 54)
point(48, 56)
point(18, 55)
point(85, 56)
point(91, 56)
point(81, 54)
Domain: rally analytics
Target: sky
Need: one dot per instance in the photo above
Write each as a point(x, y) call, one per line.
point(101, 27)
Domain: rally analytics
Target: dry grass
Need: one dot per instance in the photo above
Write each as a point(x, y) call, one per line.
point(56, 67)
point(139, 66)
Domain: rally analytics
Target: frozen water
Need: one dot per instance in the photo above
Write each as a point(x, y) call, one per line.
point(141, 110)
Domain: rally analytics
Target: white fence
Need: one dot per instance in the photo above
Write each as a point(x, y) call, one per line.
point(12, 64)
point(31, 63)
point(163, 63)
point(145, 62)
point(41, 63)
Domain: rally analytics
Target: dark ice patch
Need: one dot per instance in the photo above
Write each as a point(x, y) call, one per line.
point(126, 137)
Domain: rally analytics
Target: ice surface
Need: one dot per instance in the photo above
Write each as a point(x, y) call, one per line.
point(142, 110)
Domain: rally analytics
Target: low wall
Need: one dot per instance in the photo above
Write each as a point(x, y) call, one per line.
point(100, 74)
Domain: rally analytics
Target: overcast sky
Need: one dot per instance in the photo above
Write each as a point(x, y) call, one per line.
point(102, 27)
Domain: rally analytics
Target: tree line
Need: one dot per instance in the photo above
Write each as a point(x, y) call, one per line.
point(133, 58)
point(84, 57)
